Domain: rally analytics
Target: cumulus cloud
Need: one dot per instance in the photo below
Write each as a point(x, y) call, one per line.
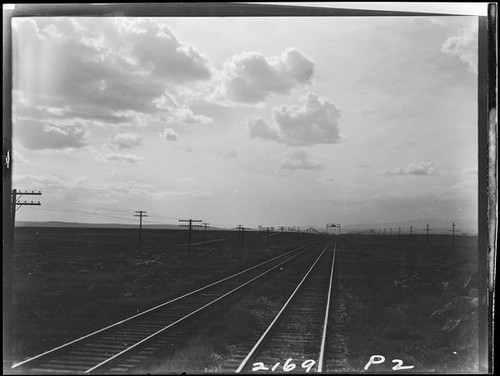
point(102, 68)
point(464, 47)
point(259, 128)
point(175, 112)
point(250, 77)
point(153, 45)
point(300, 160)
point(422, 168)
point(37, 135)
point(314, 122)
point(124, 141)
point(120, 157)
point(169, 134)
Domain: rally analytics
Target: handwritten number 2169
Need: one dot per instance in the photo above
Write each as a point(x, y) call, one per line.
point(287, 366)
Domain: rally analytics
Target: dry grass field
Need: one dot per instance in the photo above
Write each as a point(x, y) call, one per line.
point(410, 301)
point(71, 281)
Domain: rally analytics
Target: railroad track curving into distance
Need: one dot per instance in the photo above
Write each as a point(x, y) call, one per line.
point(296, 339)
point(121, 346)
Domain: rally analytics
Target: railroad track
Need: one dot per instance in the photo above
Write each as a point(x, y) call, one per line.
point(121, 346)
point(296, 339)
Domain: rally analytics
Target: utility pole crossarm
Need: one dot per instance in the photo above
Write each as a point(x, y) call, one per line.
point(16, 204)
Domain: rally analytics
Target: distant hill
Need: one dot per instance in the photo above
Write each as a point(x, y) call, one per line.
point(101, 225)
point(436, 226)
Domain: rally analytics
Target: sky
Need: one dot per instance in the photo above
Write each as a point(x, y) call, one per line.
point(246, 121)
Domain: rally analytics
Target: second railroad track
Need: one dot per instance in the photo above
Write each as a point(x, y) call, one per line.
point(296, 339)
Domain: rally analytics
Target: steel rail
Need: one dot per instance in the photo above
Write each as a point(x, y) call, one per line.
point(189, 315)
point(261, 339)
point(152, 309)
point(323, 339)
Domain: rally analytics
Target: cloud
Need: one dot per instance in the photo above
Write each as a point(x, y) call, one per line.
point(37, 135)
point(124, 141)
point(18, 157)
point(259, 128)
point(119, 157)
point(107, 69)
point(326, 179)
point(84, 188)
point(315, 122)
point(231, 153)
point(169, 134)
point(250, 77)
point(155, 46)
point(300, 160)
point(422, 168)
point(467, 184)
point(177, 113)
point(464, 46)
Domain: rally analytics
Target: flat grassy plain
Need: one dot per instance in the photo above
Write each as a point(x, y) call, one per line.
point(71, 281)
point(414, 301)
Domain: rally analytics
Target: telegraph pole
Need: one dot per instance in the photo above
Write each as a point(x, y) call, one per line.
point(9, 215)
point(241, 231)
point(453, 238)
point(190, 225)
point(205, 233)
point(16, 204)
point(140, 214)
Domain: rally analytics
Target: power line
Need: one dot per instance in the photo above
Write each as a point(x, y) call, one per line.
point(86, 213)
point(90, 207)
